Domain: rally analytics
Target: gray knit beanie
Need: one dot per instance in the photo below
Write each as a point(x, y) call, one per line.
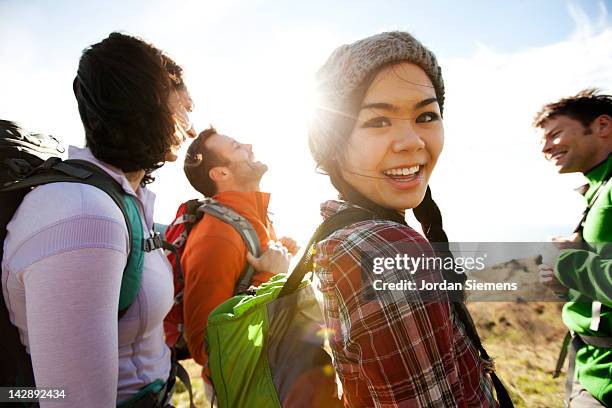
point(345, 71)
point(349, 65)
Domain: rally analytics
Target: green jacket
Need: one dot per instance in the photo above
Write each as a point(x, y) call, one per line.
point(588, 274)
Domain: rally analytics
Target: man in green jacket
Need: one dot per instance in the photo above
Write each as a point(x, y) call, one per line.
point(576, 136)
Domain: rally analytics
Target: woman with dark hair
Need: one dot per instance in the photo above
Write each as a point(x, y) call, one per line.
point(67, 245)
point(378, 134)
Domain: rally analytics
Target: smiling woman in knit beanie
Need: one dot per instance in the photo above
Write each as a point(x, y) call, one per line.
point(378, 133)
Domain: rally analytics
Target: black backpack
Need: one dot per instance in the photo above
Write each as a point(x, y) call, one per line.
point(28, 160)
point(19, 151)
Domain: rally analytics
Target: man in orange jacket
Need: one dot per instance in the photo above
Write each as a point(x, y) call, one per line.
point(215, 255)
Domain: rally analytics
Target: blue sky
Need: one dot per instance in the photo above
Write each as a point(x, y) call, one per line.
point(249, 66)
point(452, 28)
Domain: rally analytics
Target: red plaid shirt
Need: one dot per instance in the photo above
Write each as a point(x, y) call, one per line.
point(391, 348)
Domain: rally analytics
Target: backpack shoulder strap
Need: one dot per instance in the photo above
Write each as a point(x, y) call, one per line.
point(244, 228)
point(585, 213)
point(54, 170)
point(334, 223)
point(191, 215)
point(132, 274)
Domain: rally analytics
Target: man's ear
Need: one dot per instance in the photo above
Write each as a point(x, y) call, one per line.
point(219, 174)
point(602, 126)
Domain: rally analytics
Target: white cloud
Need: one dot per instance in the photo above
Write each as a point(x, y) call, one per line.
point(492, 182)
point(584, 26)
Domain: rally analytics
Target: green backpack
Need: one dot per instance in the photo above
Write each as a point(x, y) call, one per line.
point(266, 349)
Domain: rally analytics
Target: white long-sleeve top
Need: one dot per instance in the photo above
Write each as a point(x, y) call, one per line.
point(64, 256)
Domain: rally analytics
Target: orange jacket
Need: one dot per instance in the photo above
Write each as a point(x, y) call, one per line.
point(213, 259)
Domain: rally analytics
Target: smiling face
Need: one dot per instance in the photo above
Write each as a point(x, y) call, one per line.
point(569, 145)
point(396, 140)
point(241, 171)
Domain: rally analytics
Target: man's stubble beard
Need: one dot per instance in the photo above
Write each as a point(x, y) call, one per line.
point(248, 173)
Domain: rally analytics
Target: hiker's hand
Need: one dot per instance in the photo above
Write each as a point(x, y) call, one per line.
point(570, 242)
point(290, 244)
point(548, 279)
point(274, 260)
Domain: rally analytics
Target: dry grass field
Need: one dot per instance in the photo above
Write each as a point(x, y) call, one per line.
point(524, 339)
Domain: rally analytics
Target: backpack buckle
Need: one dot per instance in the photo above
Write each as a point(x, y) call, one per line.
point(153, 242)
point(488, 365)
